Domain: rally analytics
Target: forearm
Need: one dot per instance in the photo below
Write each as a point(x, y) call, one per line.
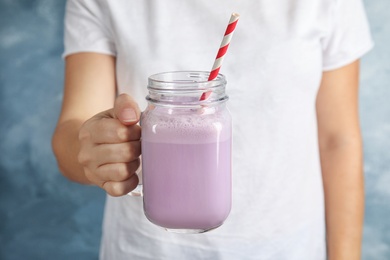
point(66, 148)
point(344, 197)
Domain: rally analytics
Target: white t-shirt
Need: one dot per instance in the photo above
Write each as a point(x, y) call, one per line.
point(274, 67)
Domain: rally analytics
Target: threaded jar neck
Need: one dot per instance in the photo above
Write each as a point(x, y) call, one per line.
point(184, 88)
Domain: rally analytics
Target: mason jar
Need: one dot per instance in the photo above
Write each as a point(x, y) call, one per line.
point(186, 152)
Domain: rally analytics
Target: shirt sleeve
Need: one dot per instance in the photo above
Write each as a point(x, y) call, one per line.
point(349, 37)
point(87, 28)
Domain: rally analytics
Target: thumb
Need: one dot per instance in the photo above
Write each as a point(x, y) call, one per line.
point(126, 110)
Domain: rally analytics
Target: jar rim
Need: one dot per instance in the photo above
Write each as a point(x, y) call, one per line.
point(184, 81)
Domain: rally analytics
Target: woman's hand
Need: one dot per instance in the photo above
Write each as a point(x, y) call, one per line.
point(110, 147)
point(94, 147)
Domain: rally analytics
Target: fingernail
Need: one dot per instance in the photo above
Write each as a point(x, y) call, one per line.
point(128, 115)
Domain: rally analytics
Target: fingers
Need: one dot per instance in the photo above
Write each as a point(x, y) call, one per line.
point(121, 188)
point(109, 153)
point(107, 131)
point(116, 179)
point(117, 153)
point(112, 166)
point(117, 171)
point(110, 147)
point(126, 110)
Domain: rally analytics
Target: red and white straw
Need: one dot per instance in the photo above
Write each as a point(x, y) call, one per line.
point(222, 51)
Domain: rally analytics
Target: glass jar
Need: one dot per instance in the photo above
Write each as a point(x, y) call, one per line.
point(186, 152)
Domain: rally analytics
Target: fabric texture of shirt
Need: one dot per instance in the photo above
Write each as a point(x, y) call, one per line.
point(273, 67)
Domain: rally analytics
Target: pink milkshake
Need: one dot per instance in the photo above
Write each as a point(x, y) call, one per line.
point(186, 164)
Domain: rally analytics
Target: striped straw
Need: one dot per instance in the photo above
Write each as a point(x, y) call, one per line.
point(222, 51)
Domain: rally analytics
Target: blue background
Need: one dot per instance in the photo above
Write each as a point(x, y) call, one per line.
point(44, 216)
